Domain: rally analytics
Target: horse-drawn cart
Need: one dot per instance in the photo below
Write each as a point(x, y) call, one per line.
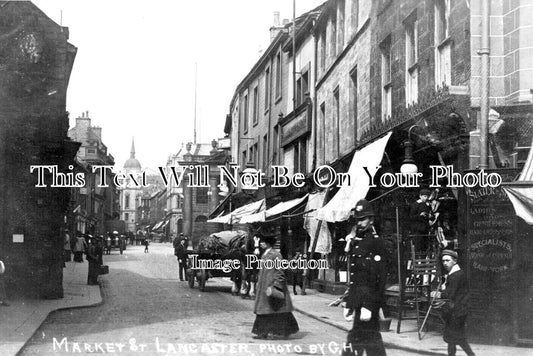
point(215, 257)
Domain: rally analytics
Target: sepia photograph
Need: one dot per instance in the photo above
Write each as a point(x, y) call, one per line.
point(266, 177)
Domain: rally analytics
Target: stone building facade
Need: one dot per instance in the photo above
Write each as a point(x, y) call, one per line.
point(36, 60)
point(93, 204)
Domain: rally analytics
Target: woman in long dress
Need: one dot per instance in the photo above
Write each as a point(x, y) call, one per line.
point(273, 306)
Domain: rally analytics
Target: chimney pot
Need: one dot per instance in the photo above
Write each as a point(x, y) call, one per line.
point(276, 18)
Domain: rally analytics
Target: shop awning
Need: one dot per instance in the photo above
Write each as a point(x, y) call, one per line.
point(520, 193)
point(340, 206)
point(275, 210)
point(236, 216)
point(317, 229)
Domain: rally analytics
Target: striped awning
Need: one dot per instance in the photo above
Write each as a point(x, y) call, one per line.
point(520, 192)
point(235, 216)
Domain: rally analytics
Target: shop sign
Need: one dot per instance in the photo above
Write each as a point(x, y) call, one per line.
point(295, 128)
point(490, 252)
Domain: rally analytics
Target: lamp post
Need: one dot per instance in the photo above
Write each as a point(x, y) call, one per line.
point(408, 165)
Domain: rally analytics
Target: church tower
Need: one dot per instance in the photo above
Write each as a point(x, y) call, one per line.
point(130, 197)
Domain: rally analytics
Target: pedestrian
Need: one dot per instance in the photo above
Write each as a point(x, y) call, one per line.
point(94, 265)
point(66, 246)
point(455, 310)
point(79, 247)
point(367, 253)
point(273, 306)
point(3, 294)
point(146, 243)
point(181, 254)
point(419, 214)
point(108, 245)
point(299, 274)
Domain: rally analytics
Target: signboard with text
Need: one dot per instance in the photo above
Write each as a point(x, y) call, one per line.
point(491, 226)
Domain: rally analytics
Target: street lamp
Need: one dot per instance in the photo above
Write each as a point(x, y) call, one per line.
point(408, 165)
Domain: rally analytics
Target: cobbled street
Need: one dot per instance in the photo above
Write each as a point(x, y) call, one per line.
point(147, 311)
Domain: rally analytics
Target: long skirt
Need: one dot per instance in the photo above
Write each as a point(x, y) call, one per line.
point(282, 324)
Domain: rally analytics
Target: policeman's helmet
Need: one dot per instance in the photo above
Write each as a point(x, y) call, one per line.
point(363, 209)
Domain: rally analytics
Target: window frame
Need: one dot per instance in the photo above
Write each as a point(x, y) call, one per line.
point(411, 60)
point(386, 77)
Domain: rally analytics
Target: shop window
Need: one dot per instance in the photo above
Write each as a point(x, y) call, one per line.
point(386, 79)
point(411, 61)
point(442, 43)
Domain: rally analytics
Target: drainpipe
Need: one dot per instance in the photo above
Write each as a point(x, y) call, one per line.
point(484, 52)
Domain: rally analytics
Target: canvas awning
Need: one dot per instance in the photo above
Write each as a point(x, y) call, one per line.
point(317, 229)
point(235, 216)
point(275, 210)
point(520, 193)
point(340, 206)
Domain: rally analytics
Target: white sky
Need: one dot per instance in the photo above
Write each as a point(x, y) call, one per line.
point(134, 70)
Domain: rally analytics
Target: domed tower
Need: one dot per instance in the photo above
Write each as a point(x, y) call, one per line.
point(130, 197)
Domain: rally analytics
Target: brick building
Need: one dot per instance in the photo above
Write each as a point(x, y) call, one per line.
point(37, 60)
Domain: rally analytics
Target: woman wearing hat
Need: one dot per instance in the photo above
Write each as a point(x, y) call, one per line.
point(273, 306)
point(455, 289)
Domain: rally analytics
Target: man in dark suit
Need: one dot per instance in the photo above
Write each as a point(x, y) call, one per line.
point(455, 289)
point(181, 253)
point(368, 274)
point(419, 214)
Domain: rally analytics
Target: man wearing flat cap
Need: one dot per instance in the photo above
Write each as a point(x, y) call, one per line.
point(368, 274)
point(455, 289)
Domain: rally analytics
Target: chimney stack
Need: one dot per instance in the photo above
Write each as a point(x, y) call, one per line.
point(276, 27)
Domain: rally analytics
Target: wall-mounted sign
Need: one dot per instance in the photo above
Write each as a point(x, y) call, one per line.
point(295, 128)
point(18, 238)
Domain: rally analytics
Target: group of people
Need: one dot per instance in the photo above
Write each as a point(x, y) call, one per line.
point(365, 297)
point(93, 248)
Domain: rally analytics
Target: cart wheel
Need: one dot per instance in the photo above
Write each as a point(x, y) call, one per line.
point(202, 280)
point(191, 277)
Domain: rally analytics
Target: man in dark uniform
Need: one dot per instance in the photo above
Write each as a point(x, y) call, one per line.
point(368, 274)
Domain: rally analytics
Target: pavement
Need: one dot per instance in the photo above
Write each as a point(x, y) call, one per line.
point(20, 320)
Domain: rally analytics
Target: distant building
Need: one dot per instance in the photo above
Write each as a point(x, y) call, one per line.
point(130, 196)
point(188, 208)
point(92, 205)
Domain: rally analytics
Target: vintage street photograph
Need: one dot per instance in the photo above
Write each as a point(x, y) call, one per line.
point(266, 177)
